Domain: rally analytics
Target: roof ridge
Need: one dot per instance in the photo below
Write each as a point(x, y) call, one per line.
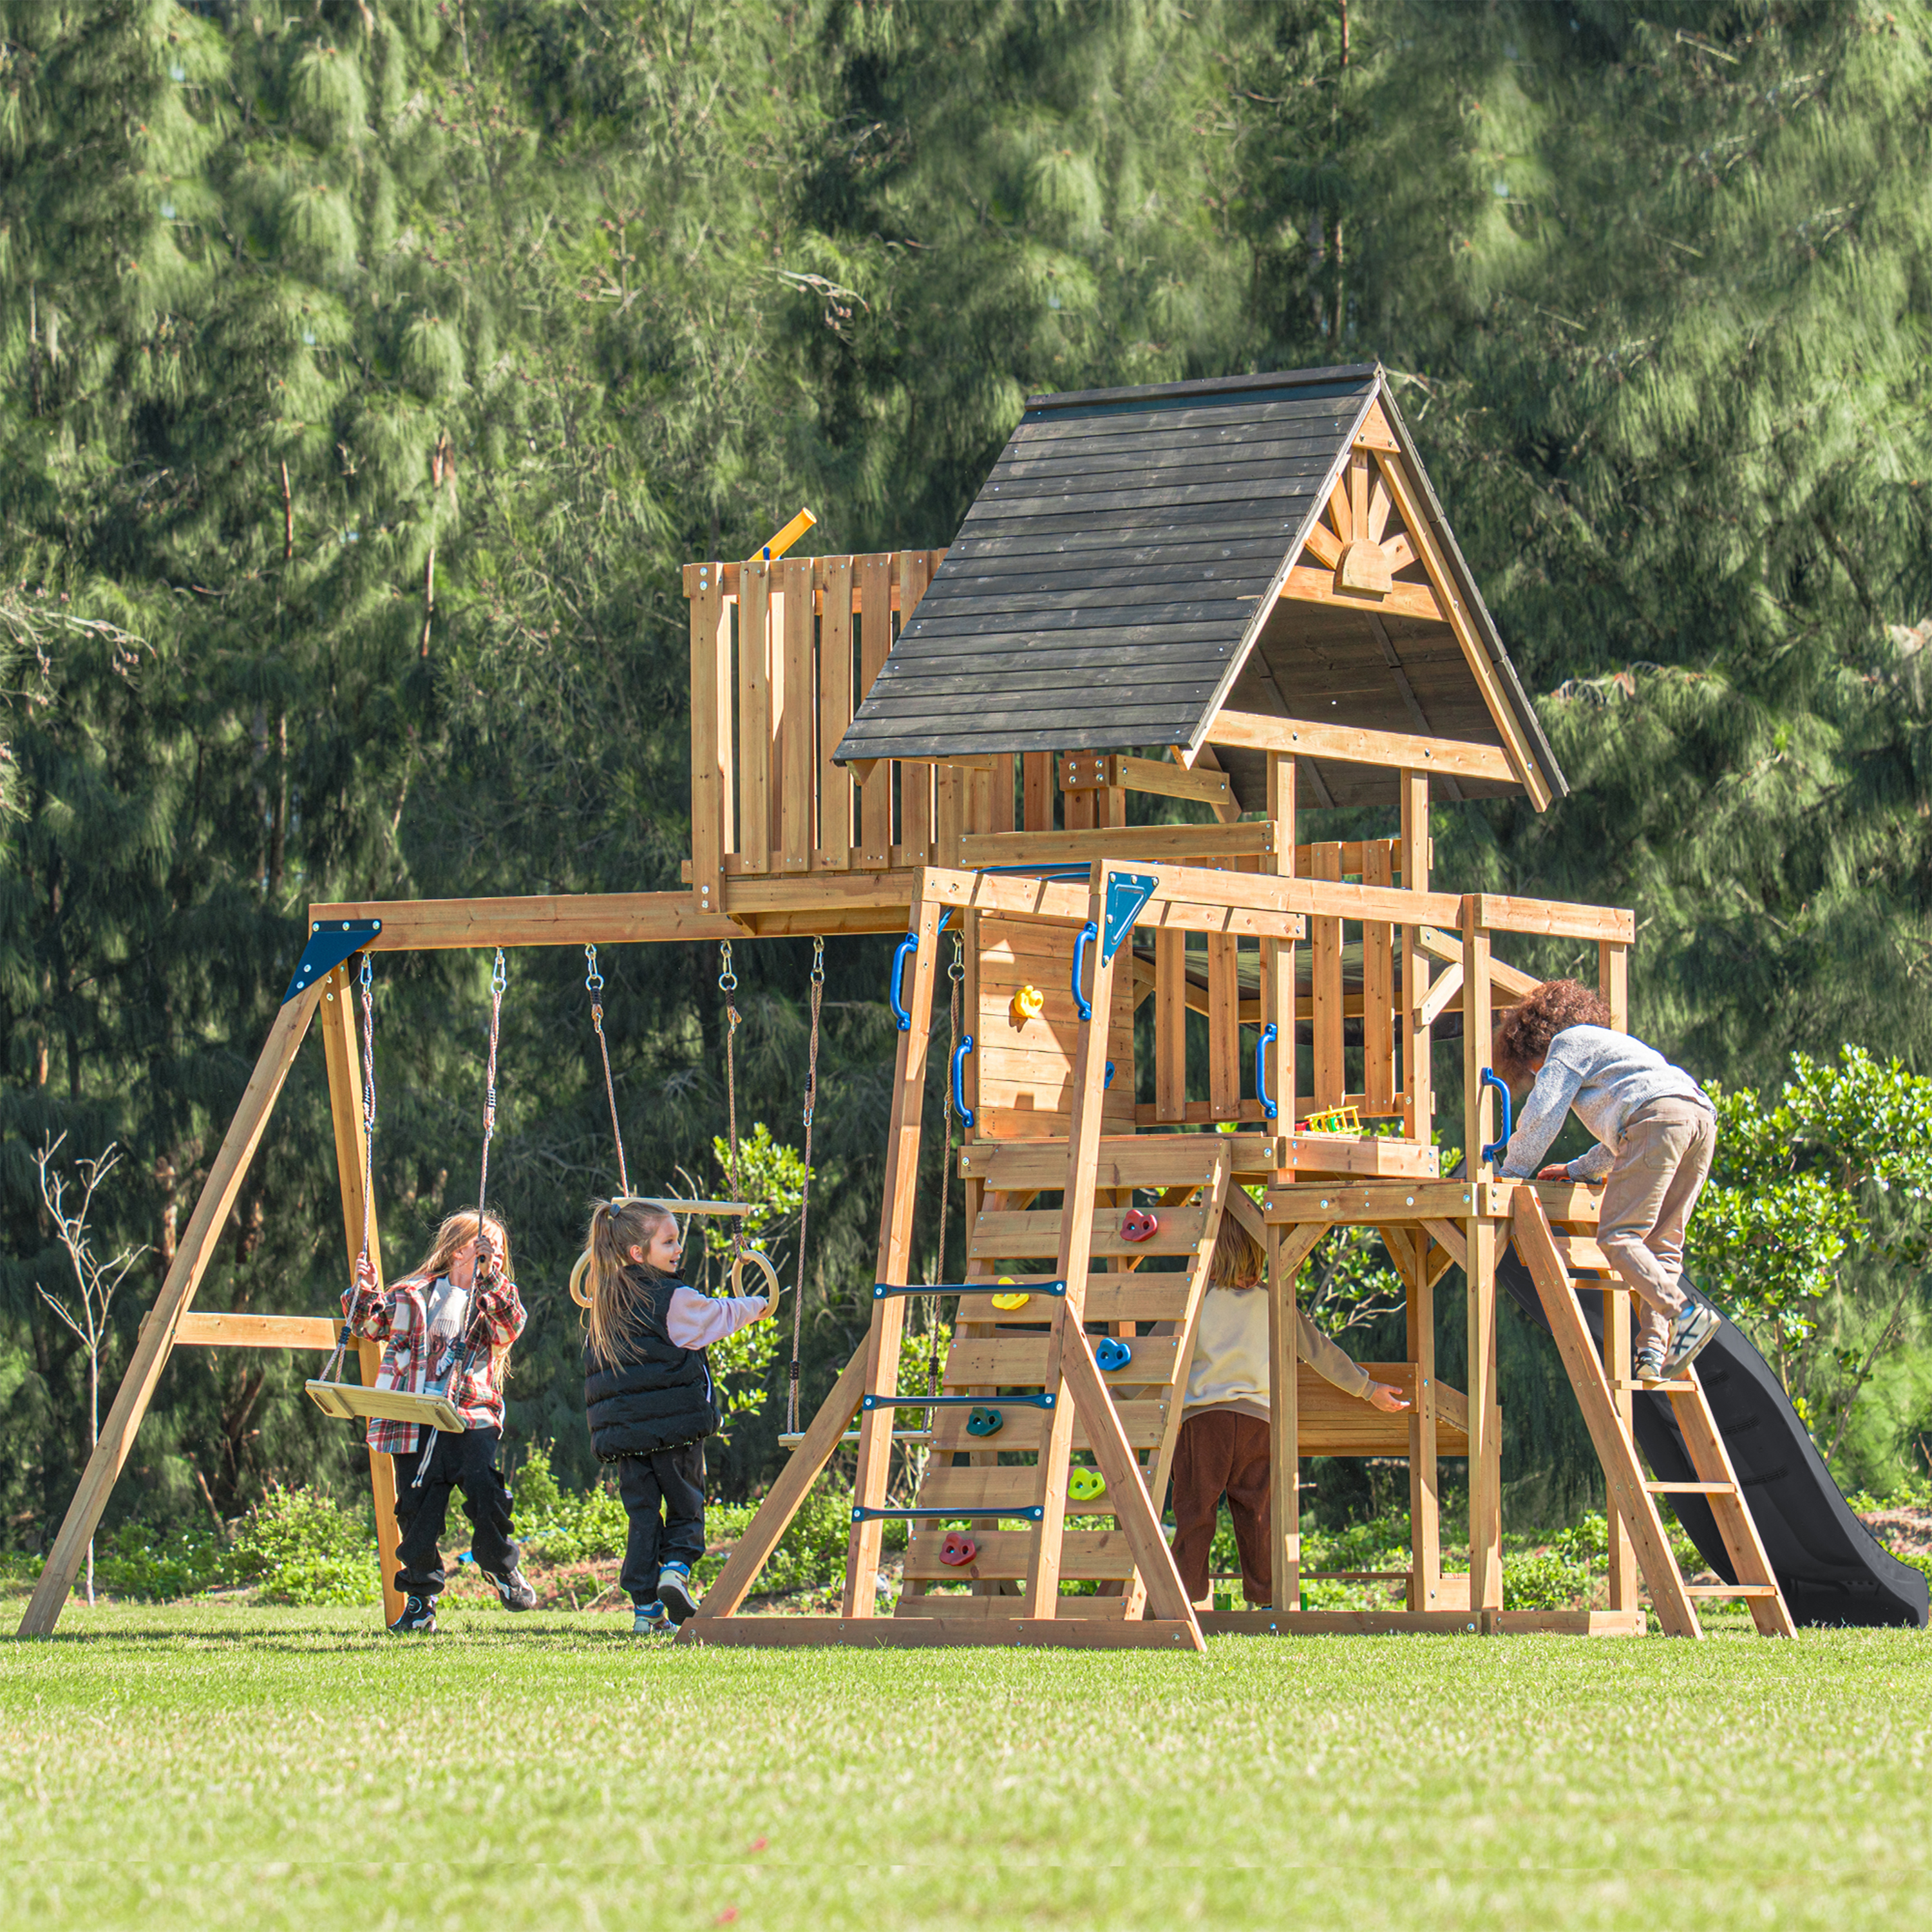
point(1211, 385)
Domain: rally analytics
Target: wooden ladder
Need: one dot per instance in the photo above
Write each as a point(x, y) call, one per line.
point(1552, 1261)
point(1004, 1359)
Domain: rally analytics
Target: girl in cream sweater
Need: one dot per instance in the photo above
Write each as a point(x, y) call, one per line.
point(1223, 1448)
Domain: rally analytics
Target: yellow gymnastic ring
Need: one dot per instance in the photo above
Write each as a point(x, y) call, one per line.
point(754, 1254)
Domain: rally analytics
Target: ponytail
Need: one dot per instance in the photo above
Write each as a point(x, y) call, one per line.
point(597, 1283)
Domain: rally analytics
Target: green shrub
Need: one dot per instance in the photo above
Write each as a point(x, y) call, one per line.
point(296, 1546)
point(155, 1566)
point(1534, 1582)
point(1585, 1542)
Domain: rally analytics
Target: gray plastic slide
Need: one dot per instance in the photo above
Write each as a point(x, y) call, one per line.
point(1831, 1568)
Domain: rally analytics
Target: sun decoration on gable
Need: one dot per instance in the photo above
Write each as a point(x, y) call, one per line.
point(1363, 551)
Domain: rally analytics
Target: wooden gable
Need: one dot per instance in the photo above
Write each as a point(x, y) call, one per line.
point(1190, 564)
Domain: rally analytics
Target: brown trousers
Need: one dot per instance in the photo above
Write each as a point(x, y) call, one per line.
point(1663, 1161)
point(1222, 1452)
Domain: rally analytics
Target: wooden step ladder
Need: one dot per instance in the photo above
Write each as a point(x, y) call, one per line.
point(1000, 1358)
point(1553, 1262)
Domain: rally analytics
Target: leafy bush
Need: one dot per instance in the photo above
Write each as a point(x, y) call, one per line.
point(155, 1566)
point(296, 1546)
point(1538, 1583)
point(1585, 1542)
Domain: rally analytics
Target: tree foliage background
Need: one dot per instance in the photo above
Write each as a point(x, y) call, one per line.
point(367, 371)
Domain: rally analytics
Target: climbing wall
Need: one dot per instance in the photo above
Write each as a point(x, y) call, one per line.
point(1022, 1060)
point(1141, 1299)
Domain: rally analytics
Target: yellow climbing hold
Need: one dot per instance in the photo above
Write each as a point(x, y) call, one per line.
point(1084, 1485)
point(1029, 1003)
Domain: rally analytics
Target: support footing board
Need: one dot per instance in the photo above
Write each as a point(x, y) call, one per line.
point(1444, 1623)
point(936, 1633)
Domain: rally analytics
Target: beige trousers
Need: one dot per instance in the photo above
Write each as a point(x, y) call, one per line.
point(1663, 1161)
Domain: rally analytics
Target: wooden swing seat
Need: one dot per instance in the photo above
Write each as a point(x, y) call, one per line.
point(350, 1402)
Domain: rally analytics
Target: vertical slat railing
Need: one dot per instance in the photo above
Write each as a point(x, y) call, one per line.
point(711, 787)
point(1224, 1030)
point(754, 717)
point(1170, 1025)
point(875, 575)
point(1378, 990)
point(796, 759)
point(1330, 1069)
point(835, 712)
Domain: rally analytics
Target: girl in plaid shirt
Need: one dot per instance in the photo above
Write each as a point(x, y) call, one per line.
point(461, 1295)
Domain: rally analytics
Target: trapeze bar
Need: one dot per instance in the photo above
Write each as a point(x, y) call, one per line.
point(1043, 1400)
point(881, 1289)
point(978, 1512)
point(702, 1206)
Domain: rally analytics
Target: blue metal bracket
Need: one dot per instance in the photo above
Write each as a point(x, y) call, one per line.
point(1269, 1109)
point(1043, 1401)
point(330, 942)
point(881, 1289)
point(1496, 1147)
point(1127, 893)
point(1032, 1512)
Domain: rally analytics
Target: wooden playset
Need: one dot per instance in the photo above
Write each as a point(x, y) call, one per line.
point(1240, 594)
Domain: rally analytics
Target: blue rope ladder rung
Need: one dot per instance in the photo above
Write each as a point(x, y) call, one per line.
point(1028, 1512)
point(882, 1289)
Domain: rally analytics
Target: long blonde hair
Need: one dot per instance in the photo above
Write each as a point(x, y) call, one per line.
point(465, 1225)
point(1237, 1255)
point(598, 1283)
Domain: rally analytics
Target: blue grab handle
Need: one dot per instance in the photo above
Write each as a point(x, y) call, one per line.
point(1496, 1147)
point(1109, 1080)
point(959, 1105)
point(1082, 1004)
point(1262, 1045)
point(907, 946)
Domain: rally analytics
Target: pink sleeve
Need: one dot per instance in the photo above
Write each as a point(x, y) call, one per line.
point(695, 1320)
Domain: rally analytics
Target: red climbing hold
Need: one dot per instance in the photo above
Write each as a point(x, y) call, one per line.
point(958, 1548)
point(1138, 1224)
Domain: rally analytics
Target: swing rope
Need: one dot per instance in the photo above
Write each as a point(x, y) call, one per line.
point(805, 1195)
point(956, 973)
point(727, 984)
point(500, 978)
point(593, 984)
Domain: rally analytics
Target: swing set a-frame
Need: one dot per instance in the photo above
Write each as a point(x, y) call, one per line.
point(1251, 579)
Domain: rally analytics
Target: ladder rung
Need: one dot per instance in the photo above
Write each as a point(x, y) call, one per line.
point(1730, 1589)
point(1621, 1382)
point(1043, 1400)
point(1028, 1512)
point(1692, 1488)
point(851, 1435)
point(880, 1289)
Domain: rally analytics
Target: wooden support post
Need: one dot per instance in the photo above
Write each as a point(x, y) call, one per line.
point(882, 1356)
point(342, 1052)
point(1485, 1577)
point(1613, 983)
point(157, 1330)
point(1486, 1424)
point(950, 797)
point(1425, 1521)
point(875, 644)
point(797, 761)
point(1417, 1073)
point(1224, 1026)
point(754, 717)
point(711, 800)
point(1286, 1252)
point(1278, 999)
point(1076, 1251)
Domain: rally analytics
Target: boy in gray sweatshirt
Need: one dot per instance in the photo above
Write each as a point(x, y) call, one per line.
point(1656, 1130)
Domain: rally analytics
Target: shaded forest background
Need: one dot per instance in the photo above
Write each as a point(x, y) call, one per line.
point(367, 371)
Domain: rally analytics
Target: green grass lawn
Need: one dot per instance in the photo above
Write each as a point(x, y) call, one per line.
point(220, 1766)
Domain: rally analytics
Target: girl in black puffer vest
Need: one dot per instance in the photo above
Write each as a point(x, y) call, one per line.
point(647, 1387)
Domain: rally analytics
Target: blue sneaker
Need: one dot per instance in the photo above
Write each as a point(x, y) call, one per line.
point(677, 1591)
point(649, 1620)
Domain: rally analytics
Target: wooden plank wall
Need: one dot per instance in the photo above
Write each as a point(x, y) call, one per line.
point(772, 697)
